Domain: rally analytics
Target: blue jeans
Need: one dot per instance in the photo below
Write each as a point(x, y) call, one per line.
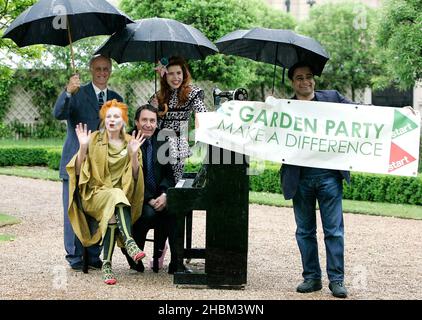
point(328, 190)
point(72, 245)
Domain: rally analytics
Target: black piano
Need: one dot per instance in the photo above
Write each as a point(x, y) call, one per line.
point(221, 188)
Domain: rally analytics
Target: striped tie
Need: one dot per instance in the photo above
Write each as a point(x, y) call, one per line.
point(100, 99)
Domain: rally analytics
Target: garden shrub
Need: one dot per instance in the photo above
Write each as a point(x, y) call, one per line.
point(23, 156)
point(53, 158)
point(27, 156)
point(364, 186)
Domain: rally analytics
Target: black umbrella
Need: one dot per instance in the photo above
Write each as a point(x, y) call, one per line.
point(153, 38)
point(60, 22)
point(275, 46)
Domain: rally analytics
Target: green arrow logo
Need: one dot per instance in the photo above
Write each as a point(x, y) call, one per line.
point(402, 124)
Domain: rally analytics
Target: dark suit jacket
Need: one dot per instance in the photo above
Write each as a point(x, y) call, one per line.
point(290, 174)
point(163, 172)
point(80, 107)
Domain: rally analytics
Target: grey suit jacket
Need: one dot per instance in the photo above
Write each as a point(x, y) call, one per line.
point(80, 107)
point(290, 174)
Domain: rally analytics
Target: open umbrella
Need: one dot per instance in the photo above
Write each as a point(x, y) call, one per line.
point(153, 38)
point(275, 46)
point(60, 22)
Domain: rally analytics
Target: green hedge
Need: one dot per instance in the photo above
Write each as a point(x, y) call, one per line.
point(364, 186)
point(53, 159)
point(22, 156)
point(27, 156)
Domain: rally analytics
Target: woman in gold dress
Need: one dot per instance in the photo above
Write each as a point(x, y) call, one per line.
point(109, 185)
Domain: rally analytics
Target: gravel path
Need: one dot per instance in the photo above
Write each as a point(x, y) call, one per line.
point(383, 256)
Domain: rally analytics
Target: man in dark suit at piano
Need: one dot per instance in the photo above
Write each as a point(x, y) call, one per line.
point(158, 175)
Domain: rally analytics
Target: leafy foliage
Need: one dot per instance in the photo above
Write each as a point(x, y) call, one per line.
point(345, 30)
point(46, 84)
point(9, 10)
point(30, 156)
point(265, 73)
point(400, 35)
point(363, 186)
point(57, 57)
point(215, 19)
point(6, 83)
point(9, 51)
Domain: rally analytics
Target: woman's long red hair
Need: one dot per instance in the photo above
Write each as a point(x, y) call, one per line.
point(184, 90)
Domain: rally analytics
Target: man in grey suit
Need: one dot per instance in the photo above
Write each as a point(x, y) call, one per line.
point(306, 185)
point(81, 104)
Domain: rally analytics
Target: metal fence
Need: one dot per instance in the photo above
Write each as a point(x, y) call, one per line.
point(22, 108)
point(24, 111)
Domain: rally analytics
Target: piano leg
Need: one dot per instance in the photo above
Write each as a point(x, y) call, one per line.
point(180, 238)
point(188, 232)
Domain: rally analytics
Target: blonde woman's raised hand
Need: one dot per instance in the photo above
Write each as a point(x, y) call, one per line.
point(135, 143)
point(83, 134)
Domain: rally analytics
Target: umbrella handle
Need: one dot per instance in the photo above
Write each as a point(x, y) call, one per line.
point(155, 82)
point(155, 73)
point(72, 56)
point(275, 66)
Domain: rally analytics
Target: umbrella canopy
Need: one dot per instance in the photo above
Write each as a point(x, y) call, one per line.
point(60, 22)
point(275, 46)
point(153, 38)
point(45, 22)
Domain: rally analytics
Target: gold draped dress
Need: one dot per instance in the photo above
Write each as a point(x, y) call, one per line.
point(105, 180)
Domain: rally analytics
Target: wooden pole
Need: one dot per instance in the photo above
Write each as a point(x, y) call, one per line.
point(70, 44)
point(275, 66)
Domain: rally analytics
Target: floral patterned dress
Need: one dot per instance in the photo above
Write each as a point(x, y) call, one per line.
point(177, 121)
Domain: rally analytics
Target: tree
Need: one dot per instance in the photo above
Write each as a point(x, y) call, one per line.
point(400, 34)
point(345, 31)
point(273, 19)
point(214, 19)
point(9, 10)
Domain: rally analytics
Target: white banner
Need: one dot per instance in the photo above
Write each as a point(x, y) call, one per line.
point(317, 134)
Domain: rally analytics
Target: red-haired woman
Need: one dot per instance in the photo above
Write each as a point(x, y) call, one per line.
point(106, 172)
point(179, 98)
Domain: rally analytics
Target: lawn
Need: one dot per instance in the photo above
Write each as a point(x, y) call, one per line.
point(44, 173)
point(7, 220)
point(351, 206)
point(6, 237)
point(53, 142)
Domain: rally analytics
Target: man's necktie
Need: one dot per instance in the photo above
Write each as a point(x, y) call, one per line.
point(150, 178)
point(100, 99)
